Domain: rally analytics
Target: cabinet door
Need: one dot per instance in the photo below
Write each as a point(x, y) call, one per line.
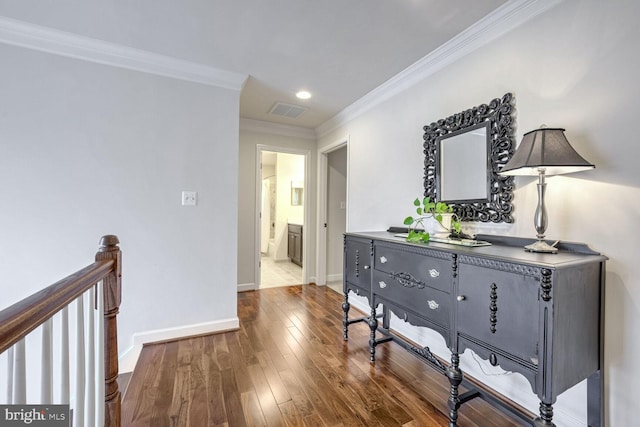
point(298, 248)
point(291, 246)
point(357, 262)
point(499, 308)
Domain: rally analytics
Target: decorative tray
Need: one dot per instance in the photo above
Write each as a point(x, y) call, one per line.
point(459, 242)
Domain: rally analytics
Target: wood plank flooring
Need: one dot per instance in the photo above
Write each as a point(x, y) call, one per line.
point(289, 366)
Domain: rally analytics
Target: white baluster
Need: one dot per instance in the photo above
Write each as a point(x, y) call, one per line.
point(10, 375)
point(78, 412)
point(20, 375)
point(46, 374)
point(100, 352)
point(90, 386)
point(64, 356)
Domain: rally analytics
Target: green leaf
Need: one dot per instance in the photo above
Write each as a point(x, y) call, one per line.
point(429, 207)
point(439, 207)
point(456, 225)
point(414, 236)
point(425, 208)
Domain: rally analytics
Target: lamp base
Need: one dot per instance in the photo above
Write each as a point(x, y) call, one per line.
point(541, 246)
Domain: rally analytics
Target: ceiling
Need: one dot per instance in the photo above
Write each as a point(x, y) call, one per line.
point(339, 50)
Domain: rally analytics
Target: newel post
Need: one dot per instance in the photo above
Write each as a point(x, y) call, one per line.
point(112, 290)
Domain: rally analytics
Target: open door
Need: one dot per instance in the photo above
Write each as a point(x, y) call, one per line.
point(332, 211)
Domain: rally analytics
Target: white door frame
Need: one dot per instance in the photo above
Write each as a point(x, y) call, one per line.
point(258, 224)
point(323, 164)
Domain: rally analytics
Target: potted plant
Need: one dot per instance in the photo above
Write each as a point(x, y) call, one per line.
point(433, 218)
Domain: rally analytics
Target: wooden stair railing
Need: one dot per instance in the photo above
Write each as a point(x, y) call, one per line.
point(18, 320)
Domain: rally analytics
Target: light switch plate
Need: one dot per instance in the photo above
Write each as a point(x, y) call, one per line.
point(189, 198)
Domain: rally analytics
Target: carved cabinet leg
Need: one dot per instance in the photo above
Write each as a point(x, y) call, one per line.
point(455, 378)
point(345, 322)
point(373, 325)
point(546, 415)
point(385, 317)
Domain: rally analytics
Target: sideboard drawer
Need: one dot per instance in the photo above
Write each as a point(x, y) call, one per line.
point(496, 358)
point(413, 266)
point(429, 303)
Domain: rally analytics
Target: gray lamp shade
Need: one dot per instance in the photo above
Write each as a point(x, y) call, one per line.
point(548, 149)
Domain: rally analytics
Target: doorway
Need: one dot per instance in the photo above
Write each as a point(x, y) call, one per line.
point(333, 212)
point(281, 193)
point(336, 215)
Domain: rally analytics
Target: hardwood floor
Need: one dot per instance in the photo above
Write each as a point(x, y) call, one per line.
point(288, 366)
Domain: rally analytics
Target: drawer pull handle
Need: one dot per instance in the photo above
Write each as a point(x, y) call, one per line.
point(382, 285)
point(366, 267)
point(493, 359)
point(461, 298)
point(383, 260)
point(433, 305)
point(434, 273)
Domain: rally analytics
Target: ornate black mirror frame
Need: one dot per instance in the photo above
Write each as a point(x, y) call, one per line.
point(498, 206)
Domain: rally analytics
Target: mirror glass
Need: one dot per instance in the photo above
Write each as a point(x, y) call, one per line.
point(462, 165)
point(464, 154)
point(297, 193)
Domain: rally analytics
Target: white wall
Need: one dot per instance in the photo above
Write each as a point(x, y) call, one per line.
point(576, 66)
point(336, 211)
point(88, 150)
point(286, 138)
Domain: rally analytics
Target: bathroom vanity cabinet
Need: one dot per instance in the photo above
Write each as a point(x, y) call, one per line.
point(294, 246)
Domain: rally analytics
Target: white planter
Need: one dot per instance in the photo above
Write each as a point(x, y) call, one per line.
point(435, 229)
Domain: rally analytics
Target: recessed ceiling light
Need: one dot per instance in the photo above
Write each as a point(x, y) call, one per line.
point(303, 94)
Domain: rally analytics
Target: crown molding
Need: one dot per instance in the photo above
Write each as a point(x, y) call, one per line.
point(45, 39)
point(501, 21)
point(277, 129)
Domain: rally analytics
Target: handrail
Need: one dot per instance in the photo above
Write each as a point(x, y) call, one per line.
point(18, 320)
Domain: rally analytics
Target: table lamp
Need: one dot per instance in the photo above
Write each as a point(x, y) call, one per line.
point(544, 151)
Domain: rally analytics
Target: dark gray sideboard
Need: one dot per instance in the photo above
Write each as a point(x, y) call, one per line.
point(540, 315)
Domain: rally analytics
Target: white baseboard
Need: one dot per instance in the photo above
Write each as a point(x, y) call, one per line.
point(128, 359)
point(334, 277)
point(244, 287)
point(361, 303)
